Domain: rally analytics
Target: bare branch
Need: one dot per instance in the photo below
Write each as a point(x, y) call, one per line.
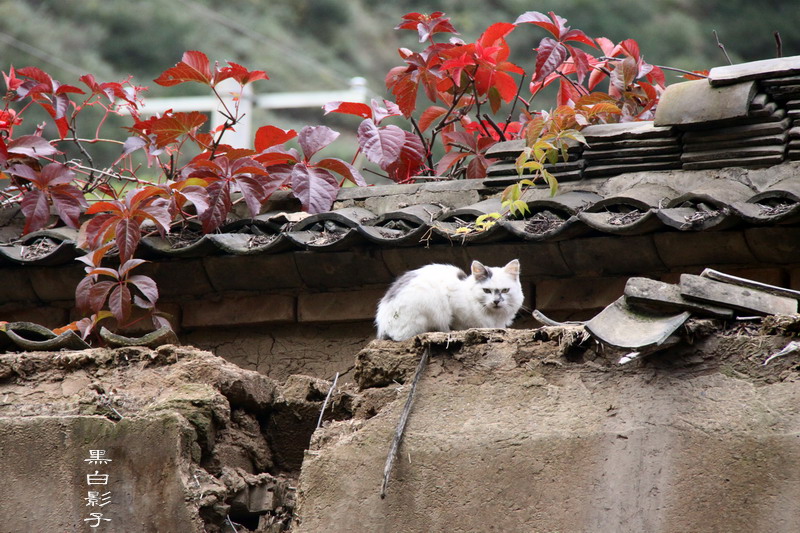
point(722, 47)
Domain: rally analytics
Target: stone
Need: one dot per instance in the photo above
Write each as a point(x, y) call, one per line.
point(774, 245)
point(46, 315)
point(262, 272)
point(178, 278)
point(354, 268)
point(239, 310)
point(17, 287)
point(703, 248)
point(338, 306)
point(45, 455)
point(56, 283)
point(740, 298)
point(697, 102)
point(612, 255)
point(657, 296)
point(578, 294)
point(620, 326)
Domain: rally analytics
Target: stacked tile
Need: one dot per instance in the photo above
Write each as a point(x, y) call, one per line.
point(503, 171)
point(614, 149)
point(786, 91)
point(732, 125)
point(780, 79)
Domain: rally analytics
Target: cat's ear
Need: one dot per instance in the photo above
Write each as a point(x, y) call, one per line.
point(480, 272)
point(512, 268)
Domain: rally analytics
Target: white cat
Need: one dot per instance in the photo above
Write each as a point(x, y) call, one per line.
point(443, 298)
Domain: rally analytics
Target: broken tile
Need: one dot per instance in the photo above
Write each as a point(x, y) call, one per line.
point(754, 70)
point(740, 298)
point(733, 154)
point(696, 102)
point(660, 297)
point(716, 275)
point(736, 132)
point(625, 130)
point(623, 327)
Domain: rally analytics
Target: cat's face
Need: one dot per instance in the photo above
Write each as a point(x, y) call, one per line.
point(497, 289)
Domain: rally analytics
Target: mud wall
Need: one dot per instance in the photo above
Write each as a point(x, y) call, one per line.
point(508, 435)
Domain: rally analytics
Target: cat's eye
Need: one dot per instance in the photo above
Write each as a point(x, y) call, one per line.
point(487, 291)
point(504, 291)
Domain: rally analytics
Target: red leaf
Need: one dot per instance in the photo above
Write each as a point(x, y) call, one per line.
point(253, 193)
point(68, 202)
point(277, 156)
point(98, 293)
point(582, 62)
point(238, 73)
point(132, 144)
point(32, 146)
point(146, 286)
point(380, 145)
point(36, 209)
point(127, 266)
point(194, 66)
point(312, 139)
point(37, 75)
point(429, 116)
point(496, 32)
point(541, 20)
point(476, 169)
point(550, 55)
point(348, 108)
point(344, 168)
point(404, 88)
point(219, 205)
point(411, 160)
point(448, 160)
point(426, 25)
point(119, 302)
point(389, 109)
point(94, 230)
point(168, 128)
point(104, 206)
point(631, 48)
point(127, 237)
point(82, 293)
point(578, 35)
point(316, 188)
point(269, 136)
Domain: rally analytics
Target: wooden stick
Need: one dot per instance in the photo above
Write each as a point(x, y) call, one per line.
point(328, 397)
point(401, 425)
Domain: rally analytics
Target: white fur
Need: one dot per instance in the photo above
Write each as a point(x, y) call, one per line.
point(434, 298)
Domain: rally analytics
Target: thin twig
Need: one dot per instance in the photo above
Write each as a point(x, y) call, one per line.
point(514, 105)
point(328, 397)
point(494, 126)
point(722, 47)
point(401, 425)
point(778, 43)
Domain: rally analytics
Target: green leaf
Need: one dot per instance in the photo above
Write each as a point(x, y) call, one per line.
point(551, 181)
point(520, 207)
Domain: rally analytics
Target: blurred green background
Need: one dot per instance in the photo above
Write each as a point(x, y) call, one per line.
point(321, 44)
